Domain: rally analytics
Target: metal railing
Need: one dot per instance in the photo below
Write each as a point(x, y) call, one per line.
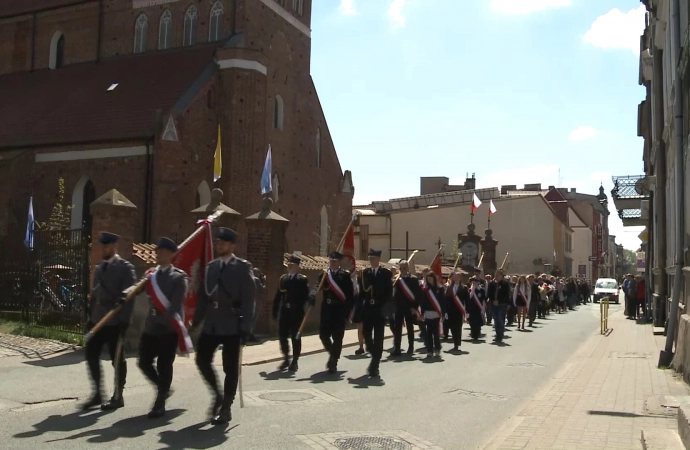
point(630, 186)
point(630, 213)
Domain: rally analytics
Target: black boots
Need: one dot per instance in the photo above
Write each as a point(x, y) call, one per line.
point(224, 416)
point(158, 409)
point(95, 401)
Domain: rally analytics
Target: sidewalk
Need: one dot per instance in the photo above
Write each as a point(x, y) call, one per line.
point(269, 351)
point(608, 392)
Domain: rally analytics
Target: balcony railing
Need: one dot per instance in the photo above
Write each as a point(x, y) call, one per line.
point(630, 214)
point(630, 187)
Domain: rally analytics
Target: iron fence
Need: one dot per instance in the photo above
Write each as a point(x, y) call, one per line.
point(50, 287)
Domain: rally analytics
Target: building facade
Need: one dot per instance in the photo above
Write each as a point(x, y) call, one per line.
point(135, 95)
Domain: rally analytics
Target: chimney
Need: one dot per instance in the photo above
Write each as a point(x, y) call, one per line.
point(573, 190)
point(470, 183)
point(551, 188)
point(533, 187)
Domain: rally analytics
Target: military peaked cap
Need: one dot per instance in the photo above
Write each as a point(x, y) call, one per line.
point(294, 260)
point(227, 235)
point(106, 238)
point(373, 252)
point(336, 256)
point(167, 244)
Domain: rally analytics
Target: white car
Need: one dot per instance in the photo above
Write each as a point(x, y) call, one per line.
point(606, 287)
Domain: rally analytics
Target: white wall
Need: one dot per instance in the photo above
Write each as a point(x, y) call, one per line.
point(582, 249)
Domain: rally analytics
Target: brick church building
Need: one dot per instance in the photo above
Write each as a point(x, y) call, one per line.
point(129, 95)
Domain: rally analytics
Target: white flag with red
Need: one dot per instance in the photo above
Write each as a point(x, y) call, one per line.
point(476, 203)
point(492, 208)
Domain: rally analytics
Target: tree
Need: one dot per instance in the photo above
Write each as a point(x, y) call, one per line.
point(60, 216)
point(629, 264)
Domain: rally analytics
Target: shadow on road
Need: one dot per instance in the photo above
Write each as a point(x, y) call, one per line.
point(619, 414)
point(501, 344)
point(277, 375)
point(456, 352)
point(195, 437)
point(70, 422)
point(65, 359)
point(324, 377)
point(365, 382)
point(129, 428)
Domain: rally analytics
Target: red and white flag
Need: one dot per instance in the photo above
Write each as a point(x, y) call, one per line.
point(349, 246)
point(194, 255)
point(492, 208)
point(476, 203)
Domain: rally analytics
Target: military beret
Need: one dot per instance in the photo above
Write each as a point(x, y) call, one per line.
point(294, 260)
point(167, 244)
point(106, 238)
point(373, 252)
point(336, 256)
point(227, 235)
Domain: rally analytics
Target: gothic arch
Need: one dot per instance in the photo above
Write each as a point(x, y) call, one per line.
point(323, 232)
point(57, 50)
point(83, 195)
point(203, 193)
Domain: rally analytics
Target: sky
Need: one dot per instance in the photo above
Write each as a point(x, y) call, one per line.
point(514, 91)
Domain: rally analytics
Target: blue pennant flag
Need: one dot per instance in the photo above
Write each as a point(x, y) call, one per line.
point(266, 187)
point(29, 236)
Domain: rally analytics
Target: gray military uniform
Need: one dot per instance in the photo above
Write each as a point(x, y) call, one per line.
point(173, 284)
point(229, 293)
point(109, 280)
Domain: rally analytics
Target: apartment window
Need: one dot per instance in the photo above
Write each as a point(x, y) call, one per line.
point(165, 30)
point(278, 112)
point(190, 25)
point(141, 28)
point(215, 30)
point(318, 147)
point(57, 50)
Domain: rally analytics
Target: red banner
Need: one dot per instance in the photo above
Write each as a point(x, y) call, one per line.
point(436, 266)
point(193, 257)
point(349, 246)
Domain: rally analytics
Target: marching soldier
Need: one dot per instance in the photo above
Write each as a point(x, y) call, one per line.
point(376, 294)
point(167, 288)
point(475, 307)
point(406, 296)
point(458, 296)
point(338, 292)
point(226, 312)
point(288, 310)
point(111, 277)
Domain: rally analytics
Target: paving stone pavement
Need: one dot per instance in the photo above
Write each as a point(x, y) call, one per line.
point(11, 345)
point(597, 400)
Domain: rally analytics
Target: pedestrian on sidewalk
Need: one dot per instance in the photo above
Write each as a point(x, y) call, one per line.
point(406, 295)
point(560, 296)
point(433, 311)
point(641, 294)
point(112, 276)
point(226, 313)
point(630, 297)
point(376, 290)
point(160, 338)
point(288, 309)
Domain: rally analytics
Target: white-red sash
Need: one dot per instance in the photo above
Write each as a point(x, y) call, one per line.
point(460, 306)
point(475, 299)
point(437, 307)
point(162, 304)
point(406, 290)
point(335, 288)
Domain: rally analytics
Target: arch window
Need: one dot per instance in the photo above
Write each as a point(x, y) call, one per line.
point(83, 195)
point(278, 113)
point(57, 50)
point(318, 147)
point(165, 30)
point(141, 28)
point(191, 19)
point(215, 29)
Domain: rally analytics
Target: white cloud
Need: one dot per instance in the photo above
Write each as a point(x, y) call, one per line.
point(524, 7)
point(347, 7)
point(583, 133)
point(617, 30)
point(395, 13)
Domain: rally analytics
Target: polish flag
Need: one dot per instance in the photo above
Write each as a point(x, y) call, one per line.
point(492, 208)
point(476, 203)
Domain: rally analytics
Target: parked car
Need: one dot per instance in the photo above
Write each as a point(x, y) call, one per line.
point(606, 287)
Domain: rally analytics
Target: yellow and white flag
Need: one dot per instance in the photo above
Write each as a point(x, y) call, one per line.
point(217, 160)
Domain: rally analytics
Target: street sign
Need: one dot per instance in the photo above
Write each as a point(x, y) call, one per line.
point(593, 258)
point(640, 261)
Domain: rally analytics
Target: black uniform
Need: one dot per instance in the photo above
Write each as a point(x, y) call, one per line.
point(432, 333)
point(110, 279)
point(288, 310)
point(405, 308)
point(475, 310)
point(376, 292)
point(457, 297)
point(159, 340)
point(335, 312)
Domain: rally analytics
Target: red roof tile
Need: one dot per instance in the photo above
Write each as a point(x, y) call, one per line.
point(72, 104)
point(17, 7)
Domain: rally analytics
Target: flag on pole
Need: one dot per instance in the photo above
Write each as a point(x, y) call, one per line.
point(436, 266)
point(217, 160)
point(266, 187)
point(29, 236)
point(555, 256)
point(492, 208)
point(476, 203)
point(349, 246)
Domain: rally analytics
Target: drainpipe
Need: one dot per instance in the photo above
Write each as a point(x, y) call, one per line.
point(148, 194)
point(659, 202)
point(667, 354)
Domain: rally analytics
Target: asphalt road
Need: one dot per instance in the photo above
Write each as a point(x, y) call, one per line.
point(457, 403)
